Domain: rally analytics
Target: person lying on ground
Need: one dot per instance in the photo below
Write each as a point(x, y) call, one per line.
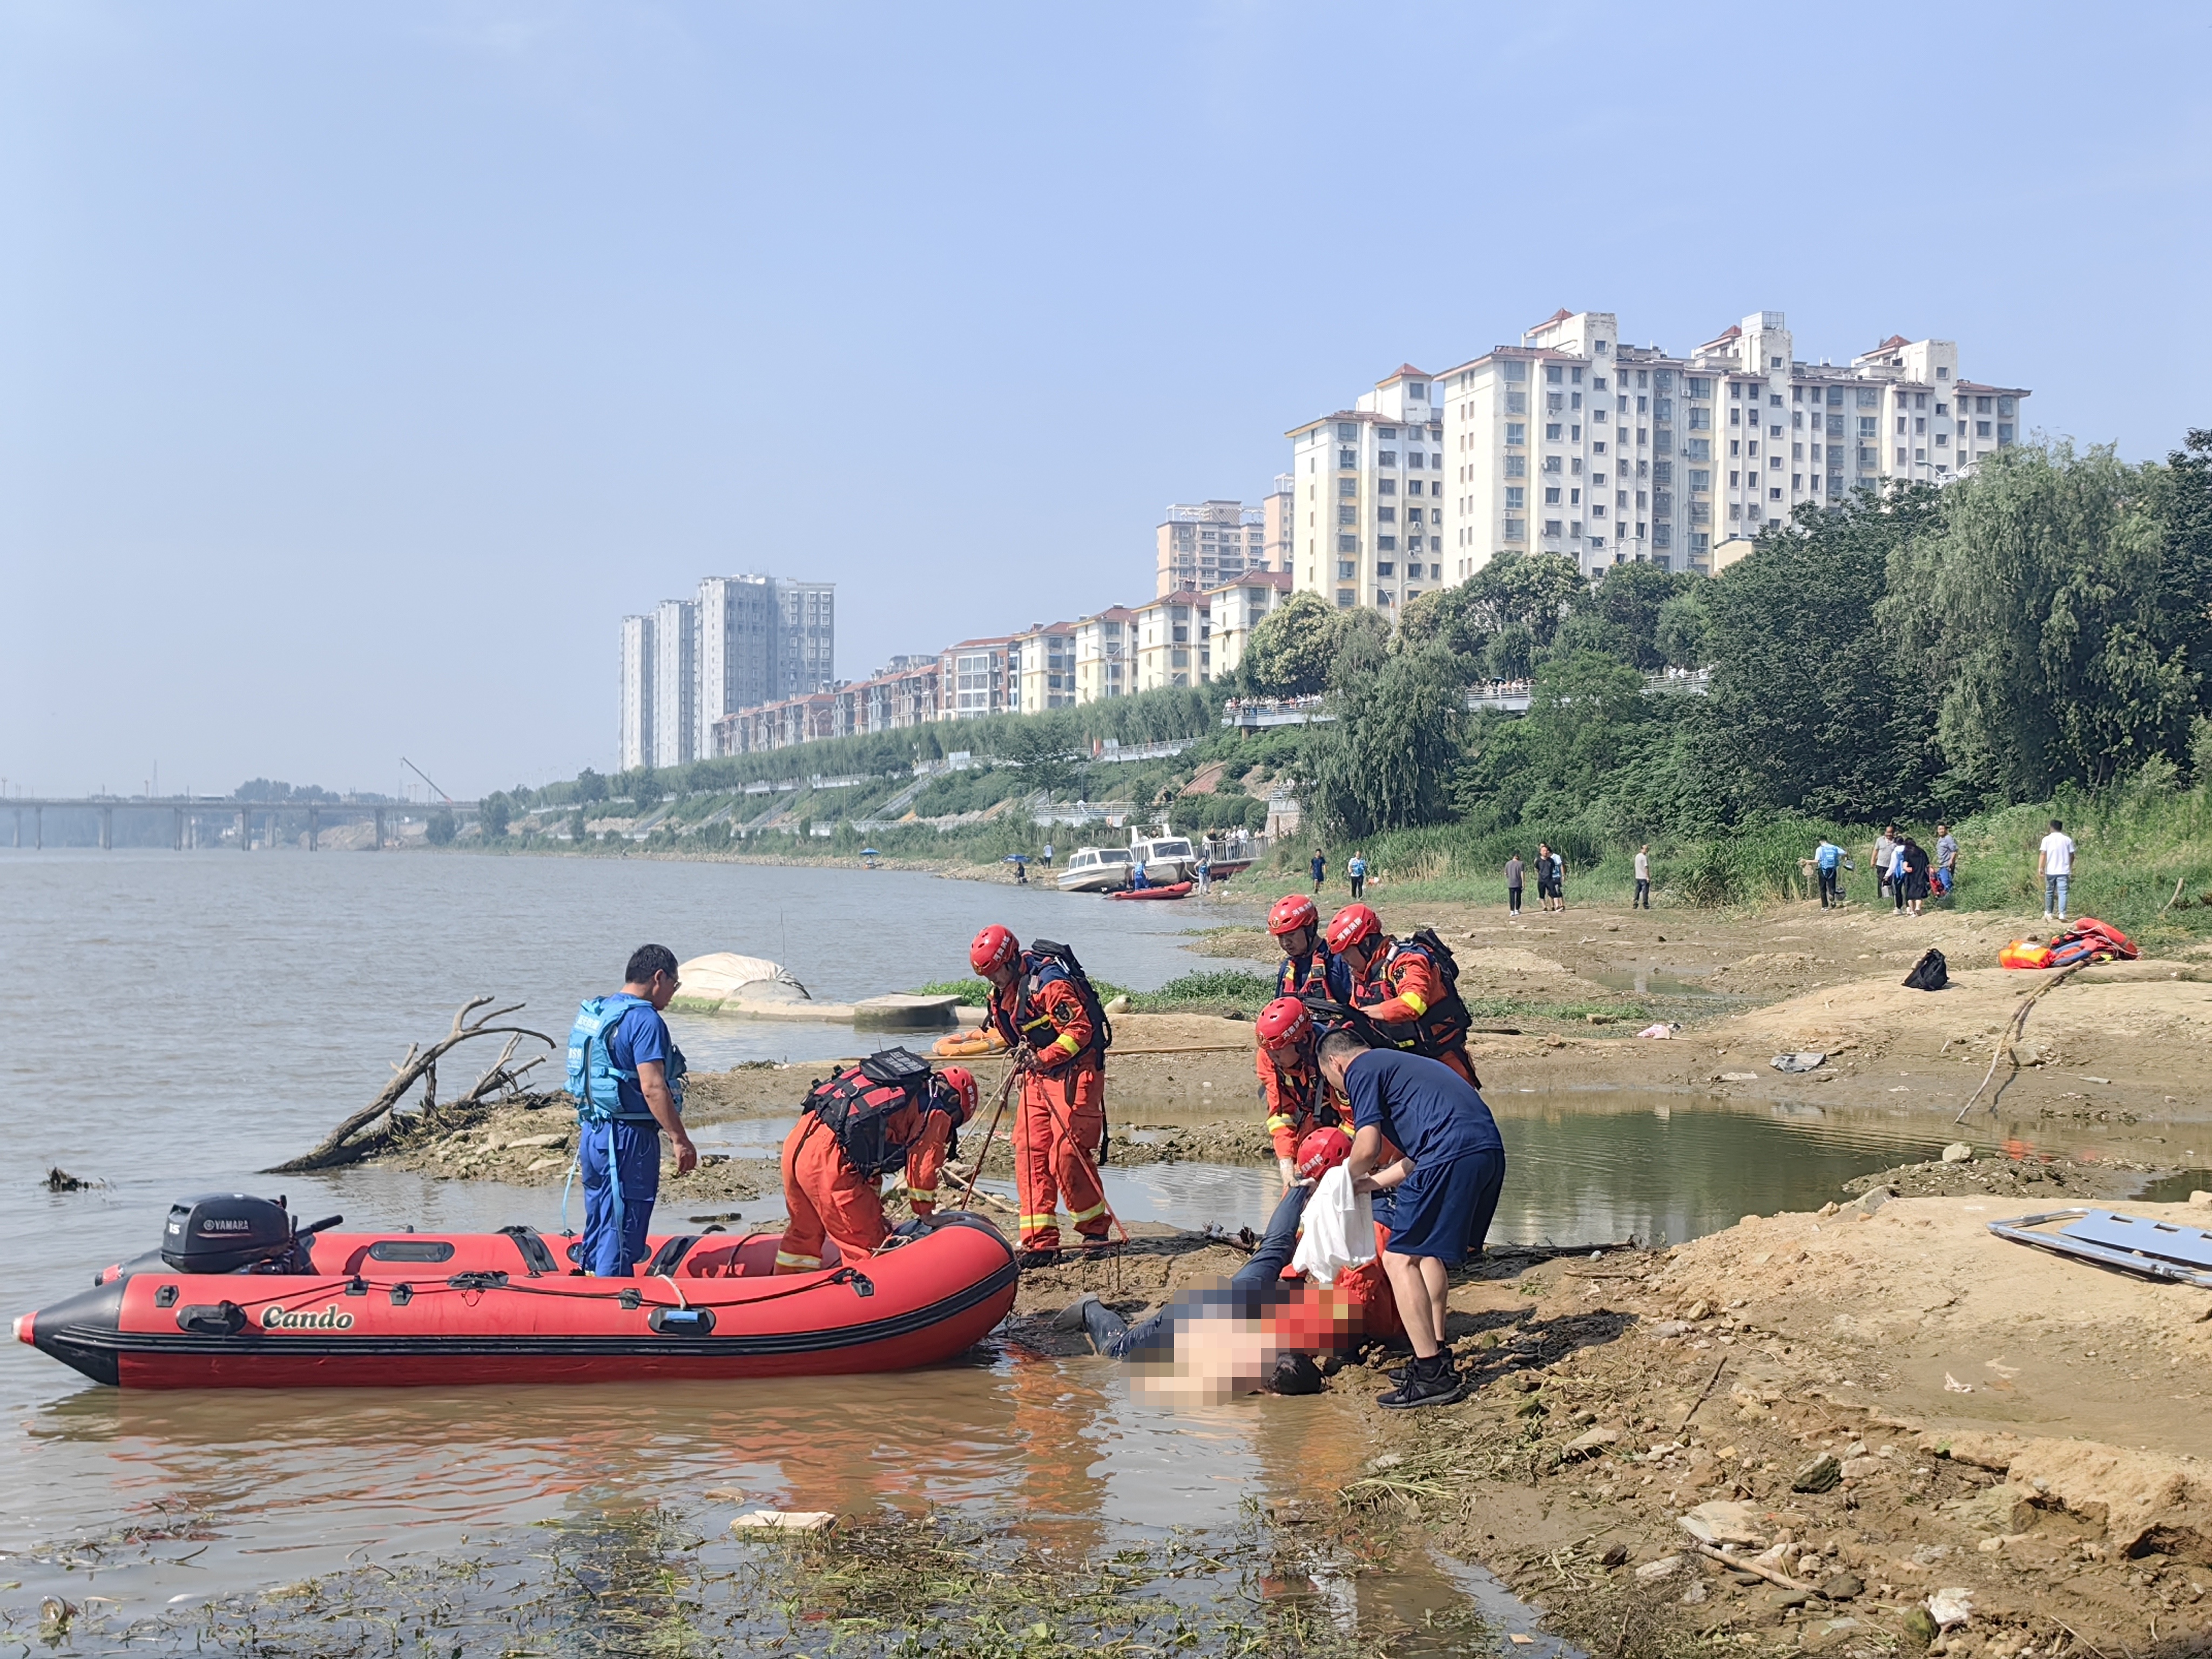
point(1258, 1330)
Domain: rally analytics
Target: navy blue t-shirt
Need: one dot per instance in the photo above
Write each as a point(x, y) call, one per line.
point(640, 1035)
point(1426, 1109)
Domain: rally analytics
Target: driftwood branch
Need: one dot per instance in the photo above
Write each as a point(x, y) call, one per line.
point(2010, 1035)
point(351, 1140)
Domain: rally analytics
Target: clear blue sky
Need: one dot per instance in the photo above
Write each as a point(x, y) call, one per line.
point(360, 365)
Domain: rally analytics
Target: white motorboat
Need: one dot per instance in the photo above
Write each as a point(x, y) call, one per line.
point(1167, 858)
point(1097, 869)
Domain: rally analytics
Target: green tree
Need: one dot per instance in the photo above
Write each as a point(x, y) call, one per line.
point(496, 813)
point(1809, 707)
point(2031, 602)
point(1535, 590)
point(1584, 711)
point(1684, 624)
point(1387, 760)
point(1290, 652)
point(1048, 759)
point(1630, 596)
point(590, 787)
point(441, 828)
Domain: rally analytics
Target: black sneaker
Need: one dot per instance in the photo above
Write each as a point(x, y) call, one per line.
point(1038, 1258)
point(1429, 1384)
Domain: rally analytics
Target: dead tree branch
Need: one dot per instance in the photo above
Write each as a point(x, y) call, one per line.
point(351, 1140)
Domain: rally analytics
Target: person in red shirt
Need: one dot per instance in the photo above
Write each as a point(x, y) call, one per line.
point(1298, 1098)
point(1040, 1010)
point(855, 1129)
point(1398, 981)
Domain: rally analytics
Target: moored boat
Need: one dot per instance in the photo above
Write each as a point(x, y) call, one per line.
point(1174, 890)
point(409, 1309)
point(1097, 870)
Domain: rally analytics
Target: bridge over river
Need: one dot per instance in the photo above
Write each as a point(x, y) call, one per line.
point(187, 811)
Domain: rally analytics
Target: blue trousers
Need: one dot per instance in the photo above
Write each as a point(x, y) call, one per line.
point(619, 1191)
point(1115, 1337)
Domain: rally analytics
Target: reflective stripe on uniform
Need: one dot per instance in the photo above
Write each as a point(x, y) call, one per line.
point(1281, 1120)
point(924, 1195)
point(1090, 1215)
point(1067, 1041)
point(1413, 1002)
point(1031, 1223)
point(786, 1259)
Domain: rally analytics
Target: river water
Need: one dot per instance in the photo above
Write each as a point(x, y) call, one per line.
point(182, 1021)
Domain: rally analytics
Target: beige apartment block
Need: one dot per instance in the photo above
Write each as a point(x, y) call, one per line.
point(1279, 517)
point(975, 679)
point(1103, 655)
point(1238, 608)
point(1174, 640)
point(1040, 668)
point(1200, 545)
point(1575, 443)
point(1368, 497)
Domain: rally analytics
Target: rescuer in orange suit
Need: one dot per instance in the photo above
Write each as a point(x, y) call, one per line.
point(1299, 1098)
point(1041, 1011)
point(852, 1131)
point(1397, 982)
point(1307, 968)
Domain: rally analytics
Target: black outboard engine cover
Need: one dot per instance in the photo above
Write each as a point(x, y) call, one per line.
point(221, 1232)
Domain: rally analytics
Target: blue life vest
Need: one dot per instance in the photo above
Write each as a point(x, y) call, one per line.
point(594, 1080)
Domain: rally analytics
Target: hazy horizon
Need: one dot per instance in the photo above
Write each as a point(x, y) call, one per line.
point(365, 367)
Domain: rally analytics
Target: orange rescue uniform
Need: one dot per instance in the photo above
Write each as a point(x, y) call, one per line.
point(1062, 1118)
point(1296, 1095)
point(826, 1196)
point(1402, 986)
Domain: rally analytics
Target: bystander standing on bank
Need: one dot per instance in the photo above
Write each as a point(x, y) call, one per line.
point(1643, 879)
point(1947, 860)
point(1884, 849)
point(2054, 862)
point(1320, 867)
point(1912, 863)
point(1513, 885)
point(1828, 857)
point(1357, 871)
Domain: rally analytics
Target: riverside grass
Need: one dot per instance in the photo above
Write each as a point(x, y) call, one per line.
point(2135, 842)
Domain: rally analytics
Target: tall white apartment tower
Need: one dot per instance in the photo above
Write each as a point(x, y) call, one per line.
point(761, 639)
point(634, 748)
point(1574, 442)
point(1367, 498)
point(675, 684)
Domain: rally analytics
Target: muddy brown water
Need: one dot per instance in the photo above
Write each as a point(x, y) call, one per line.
point(184, 1020)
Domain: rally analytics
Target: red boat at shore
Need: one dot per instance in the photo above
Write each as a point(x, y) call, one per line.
point(1173, 891)
point(389, 1310)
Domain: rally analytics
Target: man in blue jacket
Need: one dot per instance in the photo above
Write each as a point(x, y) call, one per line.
point(619, 1160)
point(1446, 1185)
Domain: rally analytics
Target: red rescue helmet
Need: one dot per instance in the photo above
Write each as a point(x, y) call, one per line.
point(961, 1082)
point(1283, 1023)
point(994, 947)
point(1292, 911)
point(1355, 924)
point(1322, 1151)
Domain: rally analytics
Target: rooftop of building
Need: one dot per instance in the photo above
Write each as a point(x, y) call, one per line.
point(1278, 579)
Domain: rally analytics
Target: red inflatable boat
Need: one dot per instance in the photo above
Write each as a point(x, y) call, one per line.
point(1173, 891)
point(401, 1309)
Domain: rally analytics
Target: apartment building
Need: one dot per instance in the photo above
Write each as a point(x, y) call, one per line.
point(1040, 668)
point(1574, 442)
point(975, 679)
point(1238, 608)
point(675, 684)
point(1102, 652)
point(1277, 518)
point(1368, 497)
point(1173, 640)
point(634, 746)
point(763, 639)
point(1197, 546)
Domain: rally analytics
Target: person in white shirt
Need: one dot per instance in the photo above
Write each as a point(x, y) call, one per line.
point(1642, 878)
point(2055, 864)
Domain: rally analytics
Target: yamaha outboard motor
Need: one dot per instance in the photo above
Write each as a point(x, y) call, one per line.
point(226, 1232)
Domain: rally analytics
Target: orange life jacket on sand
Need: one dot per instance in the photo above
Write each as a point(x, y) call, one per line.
point(2024, 953)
